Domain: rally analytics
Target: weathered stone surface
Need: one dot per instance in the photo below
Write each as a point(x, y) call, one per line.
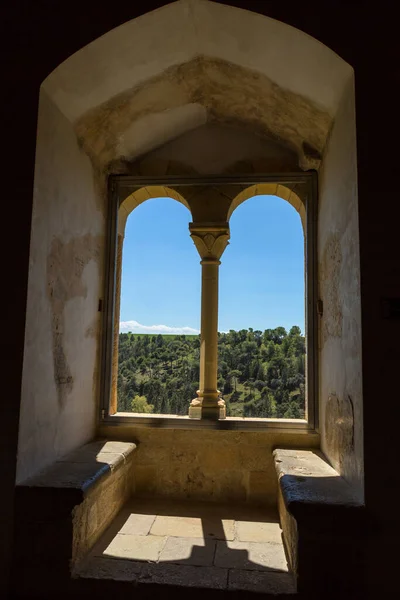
point(82, 493)
point(208, 465)
point(341, 369)
point(331, 324)
point(99, 508)
point(83, 468)
point(339, 430)
point(63, 285)
point(92, 451)
point(264, 583)
point(99, 567)
point(135, 547)
point(191, 551)
point(214, 84)
point(249, 531)
point(80, 476)
point(251, 556)
point(145, 479)
point(322, 520)
point(192, 527)
point(137, 524)
point(183, 575)
point(310, 485)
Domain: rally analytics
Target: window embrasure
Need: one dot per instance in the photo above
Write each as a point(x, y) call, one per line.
point(209, 230)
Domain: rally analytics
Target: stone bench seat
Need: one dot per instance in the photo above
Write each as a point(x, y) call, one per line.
point(322, 521)
point(62, 511)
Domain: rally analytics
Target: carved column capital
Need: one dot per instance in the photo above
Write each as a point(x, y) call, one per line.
point(210, 239)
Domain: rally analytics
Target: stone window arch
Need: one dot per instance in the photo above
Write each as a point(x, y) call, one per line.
point(127, 94)
point(125, 208)
point(211, 203)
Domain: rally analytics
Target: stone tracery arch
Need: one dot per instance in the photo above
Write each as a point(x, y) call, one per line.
point(270, 189)
point(143, 194)
point(126, 207)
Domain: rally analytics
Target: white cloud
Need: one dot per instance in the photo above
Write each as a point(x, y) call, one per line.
point(135, 327)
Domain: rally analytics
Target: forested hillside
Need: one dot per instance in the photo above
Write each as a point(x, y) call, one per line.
point(260, 374)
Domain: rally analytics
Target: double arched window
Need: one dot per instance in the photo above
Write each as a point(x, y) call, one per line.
point(267, 377)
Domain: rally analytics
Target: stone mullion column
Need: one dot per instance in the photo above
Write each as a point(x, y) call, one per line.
point(117, 304)
point(211, 240)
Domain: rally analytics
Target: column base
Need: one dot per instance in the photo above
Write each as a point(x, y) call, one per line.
point(212, 413)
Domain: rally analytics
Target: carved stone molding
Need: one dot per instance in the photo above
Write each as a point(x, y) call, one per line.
point(210, 239)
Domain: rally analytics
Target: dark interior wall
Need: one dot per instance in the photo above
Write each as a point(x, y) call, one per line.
point(37, 36)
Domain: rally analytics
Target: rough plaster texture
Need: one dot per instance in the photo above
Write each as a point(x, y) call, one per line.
point(141, 88)
point(122, 125)
point(61, 355)
point(214, 149)
point(341, 416)
point(216, 466)
point(175, 34)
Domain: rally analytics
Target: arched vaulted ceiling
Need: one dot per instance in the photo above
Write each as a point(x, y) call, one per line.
point(192, 62)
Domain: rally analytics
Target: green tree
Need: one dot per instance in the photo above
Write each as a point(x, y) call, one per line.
point(234, 375)
point(139, 405)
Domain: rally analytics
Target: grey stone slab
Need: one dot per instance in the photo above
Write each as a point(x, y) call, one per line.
point(135, 547)
point(264, 583)
point(124, 448)
point(186, 576)
point(136, 524)
point(81, 476)
point(250, 555)
point(193, 527)
point(316, 495)
point(306, 477)
point(83, 468)
point(250, 531)
point(91, 451)
point(191, 551)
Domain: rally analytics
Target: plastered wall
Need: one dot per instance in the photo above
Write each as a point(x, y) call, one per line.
point(341, 416)
point(60, 372)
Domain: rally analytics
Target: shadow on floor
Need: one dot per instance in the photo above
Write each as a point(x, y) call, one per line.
point(213, 559)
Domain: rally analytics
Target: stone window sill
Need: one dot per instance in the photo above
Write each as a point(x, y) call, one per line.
point(126, 419)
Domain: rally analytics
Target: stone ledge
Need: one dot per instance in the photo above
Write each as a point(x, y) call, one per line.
point(314, 491)
point(323, 523)
point(61, 511)
point(83, 468)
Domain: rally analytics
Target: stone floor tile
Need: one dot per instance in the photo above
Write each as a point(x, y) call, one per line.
point(193, 527)
point(250, 531)
point(191, 551)
point(137, 524)
point(177, 527)
point(266, 583)
point(99, 567)
point(217, 528)
point(250, 555)
point(184, 575)
point(135, 547)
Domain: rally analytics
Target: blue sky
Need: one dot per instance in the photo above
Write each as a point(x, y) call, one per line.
point(261, 275)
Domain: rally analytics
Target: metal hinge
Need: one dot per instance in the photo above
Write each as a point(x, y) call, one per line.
point(103, 414)
point(320, 307)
